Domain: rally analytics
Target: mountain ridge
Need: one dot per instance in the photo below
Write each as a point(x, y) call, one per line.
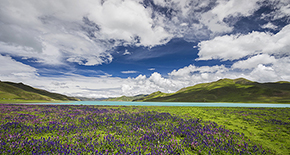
point(227, 90)
point(20, 91)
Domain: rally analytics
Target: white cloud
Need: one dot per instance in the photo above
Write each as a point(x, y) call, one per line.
point(70, 84)
point(128, 72)
point(213, 20)
point(158, 80)
point(184, 24)
point(195, 20)
point(49, 32)
point(126, 88)
point(226, 8)
point(175, 80)
point(191, 70)
point(231, 47)
point(126, 52)
point(281, 10)
point(11, 68)
point(214, 24)
point(106, 86)
point(144, 85)
point(282, 67)
point(160, 2)
point(76, 31)
point(129, 20)
point(269, 26)
point(264, 73)
point(254, 61)
point(83, 32)
point(285, 9)
point(151, 69)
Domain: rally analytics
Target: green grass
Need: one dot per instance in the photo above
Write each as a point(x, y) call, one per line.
point(250, 121)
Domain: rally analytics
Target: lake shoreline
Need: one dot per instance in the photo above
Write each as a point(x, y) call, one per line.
point(177, 104)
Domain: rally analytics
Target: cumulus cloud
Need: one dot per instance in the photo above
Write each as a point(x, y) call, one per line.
point(231, 47)
point(264, 73)
point(175, 80)
point(146, 85)
point(254, 61)
point(129, 21)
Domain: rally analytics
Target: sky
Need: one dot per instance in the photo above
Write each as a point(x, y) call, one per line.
point(110, 48)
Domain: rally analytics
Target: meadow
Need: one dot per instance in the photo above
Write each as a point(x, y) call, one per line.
point(79, 129)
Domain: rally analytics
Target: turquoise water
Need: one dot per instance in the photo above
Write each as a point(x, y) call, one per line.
point(194, 104)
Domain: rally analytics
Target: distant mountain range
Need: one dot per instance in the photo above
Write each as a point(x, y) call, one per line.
point(19, 91)
point(91, 99)
point(224, 90)
point(125, 98)
point(227, 90)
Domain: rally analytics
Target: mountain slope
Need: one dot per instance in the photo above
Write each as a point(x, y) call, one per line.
point(10, 92)
point(228, 90)
point(20, 91)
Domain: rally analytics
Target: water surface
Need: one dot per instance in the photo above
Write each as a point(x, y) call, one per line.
point(192, 104)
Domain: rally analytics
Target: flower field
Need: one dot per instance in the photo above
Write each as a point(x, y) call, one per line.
point(71, 129)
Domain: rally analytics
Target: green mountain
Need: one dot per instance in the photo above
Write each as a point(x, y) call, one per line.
point(227, 90)
point(126, 98)
point(20, 91)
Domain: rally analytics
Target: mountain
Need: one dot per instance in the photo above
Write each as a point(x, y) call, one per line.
point(91, 99)
point(20, 91)
point(227, 90)
point(126, 98)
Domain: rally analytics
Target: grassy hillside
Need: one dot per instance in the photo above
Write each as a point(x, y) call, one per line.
point(10, 91)
point(228, 90)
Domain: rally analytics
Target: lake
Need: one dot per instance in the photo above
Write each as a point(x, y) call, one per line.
point(192, 104)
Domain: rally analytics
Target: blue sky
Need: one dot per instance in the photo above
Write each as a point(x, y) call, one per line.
point(109, 48)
